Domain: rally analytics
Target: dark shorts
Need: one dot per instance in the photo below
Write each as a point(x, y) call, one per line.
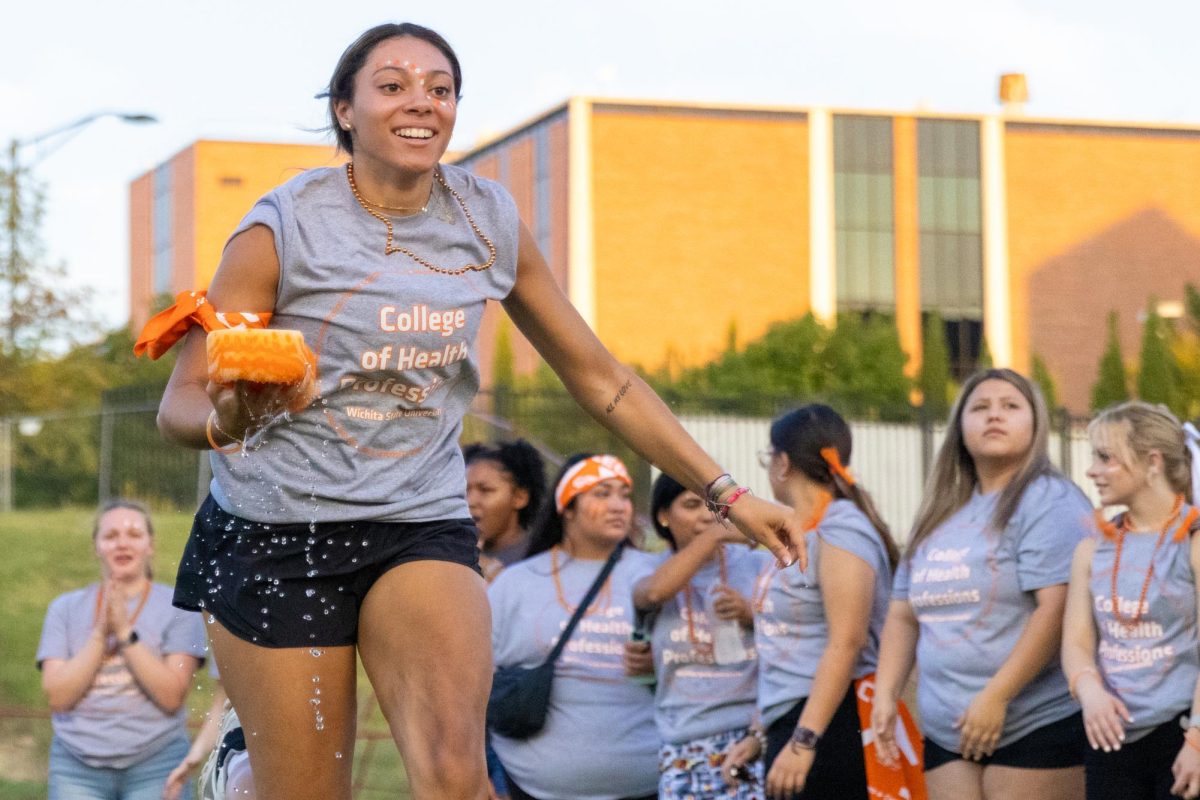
point(1055, 746)
point(300, 585)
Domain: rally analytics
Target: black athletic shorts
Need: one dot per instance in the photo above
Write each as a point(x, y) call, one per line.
point(1054, 746)
point(301, 585)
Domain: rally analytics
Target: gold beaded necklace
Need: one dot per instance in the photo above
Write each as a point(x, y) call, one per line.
point(390, 248)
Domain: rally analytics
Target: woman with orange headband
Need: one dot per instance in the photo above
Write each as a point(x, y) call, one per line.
point(599, 741)
point(817, 632)
point(977, 603)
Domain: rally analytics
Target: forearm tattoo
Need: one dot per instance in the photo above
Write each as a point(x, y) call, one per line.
point(620, 393)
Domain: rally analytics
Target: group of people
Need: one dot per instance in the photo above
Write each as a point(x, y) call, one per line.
point(348, 529)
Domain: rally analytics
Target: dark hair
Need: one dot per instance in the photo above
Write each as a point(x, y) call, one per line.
point(662, 494)
point(524, 465)
point(802, 434)
point(341, 85)
point(549, 528)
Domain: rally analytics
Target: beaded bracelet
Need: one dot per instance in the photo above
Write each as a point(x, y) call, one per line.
point(228, 449)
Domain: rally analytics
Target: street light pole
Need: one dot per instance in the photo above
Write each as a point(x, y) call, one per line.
point(13, 217)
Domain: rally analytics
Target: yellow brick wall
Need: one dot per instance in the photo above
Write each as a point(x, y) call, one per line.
point(230, 177)
point(700, 219)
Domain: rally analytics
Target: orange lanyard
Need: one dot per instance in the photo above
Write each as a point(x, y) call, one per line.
point(703, 647)
point(605, 595)
point(1162, 535)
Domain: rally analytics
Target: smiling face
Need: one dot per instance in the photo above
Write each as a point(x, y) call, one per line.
point(493, 498)
point(601, 516)
point(997, 422)
point(124, 544)
point(404, 106)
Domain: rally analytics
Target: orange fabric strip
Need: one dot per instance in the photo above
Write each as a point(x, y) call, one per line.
point(167, 327)
point(905, 781)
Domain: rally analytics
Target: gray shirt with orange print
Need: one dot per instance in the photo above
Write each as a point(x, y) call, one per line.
point(972, 590)
point(395, 345)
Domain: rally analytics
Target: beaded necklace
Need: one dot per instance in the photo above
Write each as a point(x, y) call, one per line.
point(704, 648)
point(1121, 531)
point(605, 595)
point(390, 248)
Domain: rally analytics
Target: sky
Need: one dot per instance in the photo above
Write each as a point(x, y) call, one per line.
point(249, 70)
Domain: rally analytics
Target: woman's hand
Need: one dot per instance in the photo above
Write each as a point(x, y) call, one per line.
point(743, 752)
point(637, 659)
point(243, 407)
point(116, 612)
point(1186, 768)
point(981, 725)
point(1104, 715)
point(179, 778)
point(883, 723)
point(776, 527)
point(789, 773)
point(728, 603)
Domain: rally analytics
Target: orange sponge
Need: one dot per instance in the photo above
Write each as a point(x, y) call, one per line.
point(262, 355)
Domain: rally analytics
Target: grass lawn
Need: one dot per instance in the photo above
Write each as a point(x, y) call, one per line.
point(49, 552)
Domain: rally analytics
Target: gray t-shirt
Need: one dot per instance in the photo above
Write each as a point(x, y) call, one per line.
point(972, 590)
point(696, 697)
point(599, 742)
point(394, 342)
point(1154, 663)
point(791, 630)
point(116, 725)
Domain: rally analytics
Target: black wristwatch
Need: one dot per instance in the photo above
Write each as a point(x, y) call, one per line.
point(805, 738)
point(131, 639)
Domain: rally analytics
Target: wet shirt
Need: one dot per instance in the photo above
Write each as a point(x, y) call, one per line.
point(115, 725)
point(972, 590)
point(394, 342)
point(1147, 651)
point(791, 631)
point(696, 697)
point(599, 742)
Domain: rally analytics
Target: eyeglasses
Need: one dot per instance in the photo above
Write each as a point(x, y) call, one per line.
point(764, 457)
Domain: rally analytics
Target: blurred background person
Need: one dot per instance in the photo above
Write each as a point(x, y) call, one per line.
point(506, 483)
point(702, 639)
point(117, 660)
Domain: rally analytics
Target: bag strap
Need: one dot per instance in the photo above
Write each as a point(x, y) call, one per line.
point(592, 591)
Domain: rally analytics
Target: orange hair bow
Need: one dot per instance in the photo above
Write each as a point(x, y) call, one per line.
point(834, 460)
point(167, 327)
point(586, 474)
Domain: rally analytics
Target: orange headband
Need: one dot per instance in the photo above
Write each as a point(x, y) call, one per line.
point(830, 454)
point(586, 474)
point(167, 327)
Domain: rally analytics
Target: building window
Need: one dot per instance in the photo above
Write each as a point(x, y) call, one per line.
point(951, 234)
point(864, 215)
point(161, 222)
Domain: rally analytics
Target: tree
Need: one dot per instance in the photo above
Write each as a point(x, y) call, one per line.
point(1111, 385)
point(1045, 382)
point(934, 379)
point(1156, 380)
point(864, 367)
point(42, 311)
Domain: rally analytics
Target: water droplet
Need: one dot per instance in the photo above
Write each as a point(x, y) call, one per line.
point(316, 678)
point(365, 543)
point(338, 754)
point(211, 619)
point(258, 577)
point(264, 611)
point(266, 625)
point(354, 560)
point(316, 652)
point(308, 617)
point(312, 573)
point(309, 592)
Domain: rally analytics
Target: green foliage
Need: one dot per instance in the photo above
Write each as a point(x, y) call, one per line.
point(985, 360)
point(934, 381)
point(504, 370)
point(1112, 385)
point(1045, 382)
point(1157, 380)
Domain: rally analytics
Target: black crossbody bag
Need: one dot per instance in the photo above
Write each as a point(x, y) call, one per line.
point(521, 695)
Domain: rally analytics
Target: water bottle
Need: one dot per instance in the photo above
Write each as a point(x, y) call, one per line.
point(726, 634)
point(638, 634)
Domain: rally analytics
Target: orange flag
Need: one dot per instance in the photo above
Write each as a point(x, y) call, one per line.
point(906, 780)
